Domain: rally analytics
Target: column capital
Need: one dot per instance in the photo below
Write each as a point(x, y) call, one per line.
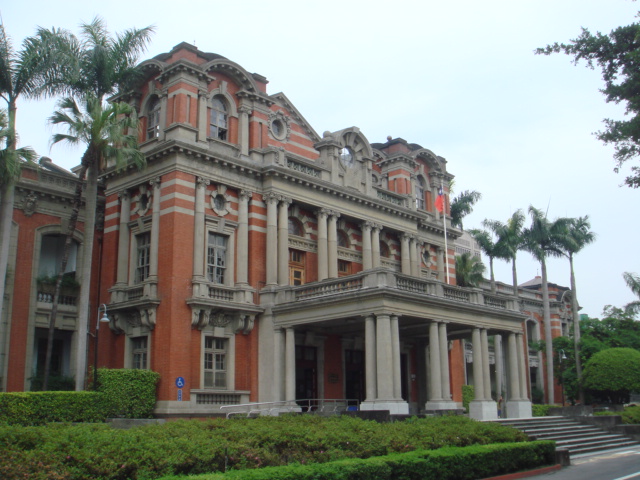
point(376, 226)
point(330, 213)
point(245, 194)
point(202, 182)
point(155, 182)
point(202, 93)
point(245, 109)
point(285, 200)
point(270, 197)
point(124, 195)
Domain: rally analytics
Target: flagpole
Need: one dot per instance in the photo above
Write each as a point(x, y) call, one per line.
point(444, 224)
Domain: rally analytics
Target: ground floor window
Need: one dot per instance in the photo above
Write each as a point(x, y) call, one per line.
point(215, 362)
point(139, 352)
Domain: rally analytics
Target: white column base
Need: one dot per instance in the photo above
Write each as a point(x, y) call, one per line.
point(441, 405)
point(397, 407)
point(519, 409)
point(483, 410)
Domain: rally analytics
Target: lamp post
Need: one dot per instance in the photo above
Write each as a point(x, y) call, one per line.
point(104, 319)
point(560, 358)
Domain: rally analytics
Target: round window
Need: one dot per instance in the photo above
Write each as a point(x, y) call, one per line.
point(346, 156)
point(219, 202)
point(278, 129)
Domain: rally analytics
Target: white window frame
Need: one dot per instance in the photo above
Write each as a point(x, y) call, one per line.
point(227, 229)
point(221, 334)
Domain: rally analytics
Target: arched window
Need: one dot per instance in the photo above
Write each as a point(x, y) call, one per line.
point(295, 227)
point(384, 250)
point(420, 188)
point(153, 119)
point(343, 239)
point(218, 127)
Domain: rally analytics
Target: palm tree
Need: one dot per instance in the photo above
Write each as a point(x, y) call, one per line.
point(98, 66)
point(510, 239)
point(542, 239)
point(462, 205)
point(469, 270)
point(633, 281)
point(579, 236)
point(491, 249)
point(29, 73)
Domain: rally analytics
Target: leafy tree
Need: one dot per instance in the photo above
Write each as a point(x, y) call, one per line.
point(491, 249)
point(578, 236)
point(462, 205)
point(29, 74)
point(510, 240)
point(633, 281)
point(469, 270)
point(616, 54)
point(96, 66)
point(544, 238)
point(612, 374)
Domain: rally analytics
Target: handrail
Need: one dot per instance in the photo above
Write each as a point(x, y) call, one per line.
point(309, 405)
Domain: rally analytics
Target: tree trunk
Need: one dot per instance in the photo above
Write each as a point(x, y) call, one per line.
point(84, 314)
point(6, 221)
point(73, 220)
point(576, 331)
point(515, 276)
point(547, 334)
point(493, 278)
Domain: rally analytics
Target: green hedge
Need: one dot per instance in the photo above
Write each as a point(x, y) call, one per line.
point(468, 394)
point(121, 393)
point(450, 463)
point(540, 410)
point(129, 393)
point(38, 408)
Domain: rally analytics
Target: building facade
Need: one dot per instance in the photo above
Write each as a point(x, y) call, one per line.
point(254, 260)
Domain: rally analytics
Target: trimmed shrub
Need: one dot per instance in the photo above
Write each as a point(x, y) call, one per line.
point(128, 393)
point(468, 394)
point(39, 408)
point(84, 451)
point(466, 463)
point(610, 375)
point(540, 410)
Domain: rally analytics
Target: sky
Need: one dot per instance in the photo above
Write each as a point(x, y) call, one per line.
point(459, 78)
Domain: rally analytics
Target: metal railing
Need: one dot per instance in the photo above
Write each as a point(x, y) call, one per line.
point(307, 405)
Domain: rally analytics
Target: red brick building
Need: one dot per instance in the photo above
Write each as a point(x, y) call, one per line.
point(254, 260)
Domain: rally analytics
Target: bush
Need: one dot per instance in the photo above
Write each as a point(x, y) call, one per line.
point(39, 408)
point(610, 375)
point(129, 393)
point(466, 463)
point(194, 447)
point(630, 415)
point(540, 410)
point(468, 394)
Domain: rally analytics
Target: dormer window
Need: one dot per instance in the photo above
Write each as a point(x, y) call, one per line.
point(219, 119)
point(153, 119)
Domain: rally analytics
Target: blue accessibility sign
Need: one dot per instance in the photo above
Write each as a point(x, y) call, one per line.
point(180, 382)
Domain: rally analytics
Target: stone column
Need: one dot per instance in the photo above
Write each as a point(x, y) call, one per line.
point(444, 361)
point(278, 364)
point(203, 117)
point(199, 231)
point(435, 384)
point(405, 259)
point(123, 240)
point(497, 346)
point(155, 238)
point(440, 262)
point(522, 366)
point(514, 373)
point(272, 238)
point(384, 362)
point(242, 253)
point(243, 133)
point(290, 364)
point(395, 352)
point(486, 368)
point(375, 245)
point(367, 261)
point(478, 363)
point(413, 255)
point(332, 245)
point(283, 241)
point(323, 261)
point(370, 358)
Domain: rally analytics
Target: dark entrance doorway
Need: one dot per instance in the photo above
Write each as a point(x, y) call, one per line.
point(306, 376)
point(354, 375)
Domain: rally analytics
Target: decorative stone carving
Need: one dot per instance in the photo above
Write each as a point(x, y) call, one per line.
point(30, 204)
point(219, 200)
